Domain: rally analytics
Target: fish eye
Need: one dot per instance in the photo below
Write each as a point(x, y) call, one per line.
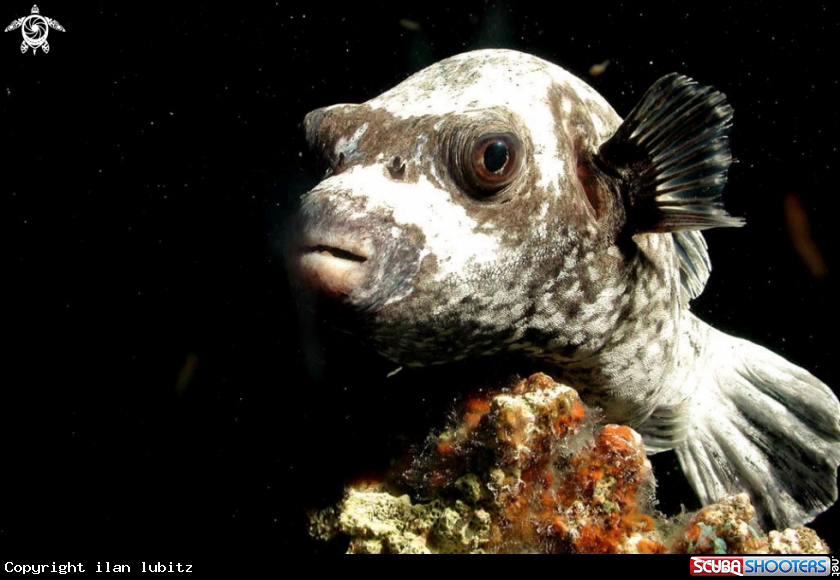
point(492, 163)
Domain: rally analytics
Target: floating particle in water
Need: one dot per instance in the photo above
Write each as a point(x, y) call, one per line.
point(799, 230)
point(409, 24)
point(599, 69)
point(187, 373)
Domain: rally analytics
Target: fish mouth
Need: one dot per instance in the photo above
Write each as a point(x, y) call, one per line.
point(334, 268)
point(334, 252)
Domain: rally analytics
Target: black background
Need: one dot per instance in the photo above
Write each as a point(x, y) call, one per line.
point(156, 390)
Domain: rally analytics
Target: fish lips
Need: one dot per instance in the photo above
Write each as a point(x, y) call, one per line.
point(359, 264)
point(327, 264)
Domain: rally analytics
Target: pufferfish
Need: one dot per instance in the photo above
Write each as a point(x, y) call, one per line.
point(493, 204)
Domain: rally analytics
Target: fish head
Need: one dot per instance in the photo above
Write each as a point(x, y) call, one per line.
point(454, 205)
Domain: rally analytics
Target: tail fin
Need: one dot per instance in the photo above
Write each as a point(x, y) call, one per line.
point(760, 424)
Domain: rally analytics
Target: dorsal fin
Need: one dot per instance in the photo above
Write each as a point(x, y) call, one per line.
point(695, 265)
point(670, 157)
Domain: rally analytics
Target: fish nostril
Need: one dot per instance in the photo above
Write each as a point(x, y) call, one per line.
point(397, 168)
point(339, 165)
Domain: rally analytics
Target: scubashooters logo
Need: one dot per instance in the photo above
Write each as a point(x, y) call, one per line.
point(764, 566)
point(35, 29)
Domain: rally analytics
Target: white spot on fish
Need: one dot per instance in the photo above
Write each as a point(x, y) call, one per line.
point(451, 235)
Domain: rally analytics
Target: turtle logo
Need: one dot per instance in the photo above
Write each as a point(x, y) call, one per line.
point(35, 29)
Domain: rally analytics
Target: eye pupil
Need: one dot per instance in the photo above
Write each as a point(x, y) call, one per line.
point(495, 156)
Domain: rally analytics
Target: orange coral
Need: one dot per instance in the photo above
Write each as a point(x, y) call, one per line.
point(551, 501)
point(594, 506)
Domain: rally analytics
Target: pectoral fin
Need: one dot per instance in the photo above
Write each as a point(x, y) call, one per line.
point(668, 160)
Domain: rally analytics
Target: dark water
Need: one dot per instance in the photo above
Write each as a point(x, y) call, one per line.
point(157, 392)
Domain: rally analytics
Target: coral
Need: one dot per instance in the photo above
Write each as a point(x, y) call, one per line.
point(532, 470)
point(725, 528)
point(721, 528)
point(562, 485)
point(380, 523)
point(799, 540)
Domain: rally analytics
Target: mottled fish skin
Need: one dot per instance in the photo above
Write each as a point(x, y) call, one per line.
point(432, 271)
